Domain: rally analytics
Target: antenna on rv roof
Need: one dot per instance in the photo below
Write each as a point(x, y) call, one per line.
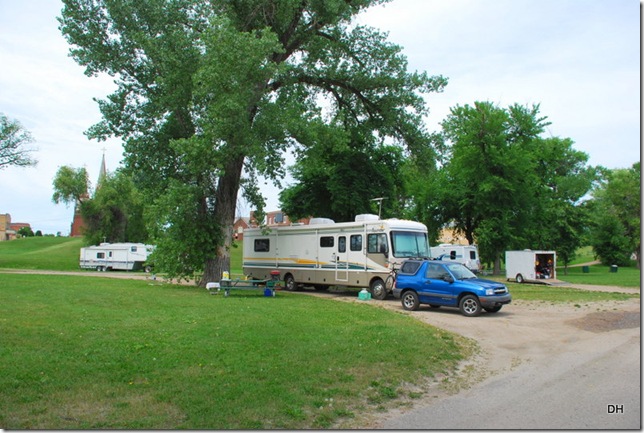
point(379, 200)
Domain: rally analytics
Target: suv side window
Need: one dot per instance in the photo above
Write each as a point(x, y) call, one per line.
point(409, 267)
point(436, 271)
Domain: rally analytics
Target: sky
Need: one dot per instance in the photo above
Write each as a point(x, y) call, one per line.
point(578, 59)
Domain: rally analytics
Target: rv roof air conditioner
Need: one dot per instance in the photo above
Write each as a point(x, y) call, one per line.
point(367, 217)
point(321, 221)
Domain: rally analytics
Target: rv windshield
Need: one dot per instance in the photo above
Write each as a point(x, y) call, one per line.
point(409, 244)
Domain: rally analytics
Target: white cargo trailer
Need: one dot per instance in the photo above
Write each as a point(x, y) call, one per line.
point(465, 254)
point(535, 266)
point(324, 253)
point(119, 256)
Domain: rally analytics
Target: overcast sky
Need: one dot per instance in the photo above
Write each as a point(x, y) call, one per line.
point(578, 59)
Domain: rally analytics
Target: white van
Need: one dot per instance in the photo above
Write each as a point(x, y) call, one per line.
point(465, 254)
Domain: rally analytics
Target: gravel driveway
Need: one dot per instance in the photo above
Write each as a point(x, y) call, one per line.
point(541, 366)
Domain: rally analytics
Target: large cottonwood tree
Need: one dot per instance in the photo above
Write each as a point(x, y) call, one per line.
point(211, 94)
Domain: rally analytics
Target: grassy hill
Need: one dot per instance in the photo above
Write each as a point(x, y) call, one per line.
point(46, 253)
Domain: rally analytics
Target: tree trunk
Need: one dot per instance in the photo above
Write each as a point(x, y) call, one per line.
point(225, 205)
point(497, 265)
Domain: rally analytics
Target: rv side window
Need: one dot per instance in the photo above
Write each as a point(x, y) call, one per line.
point(100, 255)
point(109, 254)
point(133, 249)
point(356, 243)
point(262, 245)
point(452, 255)
point(342, 244)
point(326, 241)
point(377, 243)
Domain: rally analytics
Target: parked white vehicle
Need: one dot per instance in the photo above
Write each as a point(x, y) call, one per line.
point(535, 266)
point(465, 254)
point(119, 256)
point(324, 253)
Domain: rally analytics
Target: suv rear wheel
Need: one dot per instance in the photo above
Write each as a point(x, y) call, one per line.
point(410, 300)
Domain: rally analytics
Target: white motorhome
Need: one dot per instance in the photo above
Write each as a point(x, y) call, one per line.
point(465, 254)
point(120, 256)
point(535, 266)
point(324, 253)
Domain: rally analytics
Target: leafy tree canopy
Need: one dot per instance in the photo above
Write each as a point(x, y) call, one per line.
point(13, 141)
point(211, 94)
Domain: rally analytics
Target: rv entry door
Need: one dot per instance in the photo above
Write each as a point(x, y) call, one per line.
point(342, 260)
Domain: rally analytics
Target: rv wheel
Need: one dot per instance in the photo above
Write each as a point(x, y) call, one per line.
point(289, 283)
point(378, 289)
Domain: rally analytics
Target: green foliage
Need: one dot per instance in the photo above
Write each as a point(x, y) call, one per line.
point(13, 141)
point(616, 217)
point(115, 212)
point(71, 185)
point(102, 353)
point(339, 181)
point(208, 91)
point(26, 232)
point(505, 186)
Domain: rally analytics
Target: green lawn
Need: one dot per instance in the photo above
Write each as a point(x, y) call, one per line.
point(41, 252)
point(99, 353)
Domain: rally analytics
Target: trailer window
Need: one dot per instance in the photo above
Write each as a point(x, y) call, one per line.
point(355, 243)
point(100, 255)
point(473, 255)
point(133, 249)
point(377, 243)
point(326, 241)
point(452, 255)
point(109, 254)
point(342, 244)
point(262, 245)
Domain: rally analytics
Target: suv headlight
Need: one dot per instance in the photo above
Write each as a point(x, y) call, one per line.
point(489, 292)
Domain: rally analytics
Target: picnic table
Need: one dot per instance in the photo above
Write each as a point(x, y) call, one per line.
point(228, 284)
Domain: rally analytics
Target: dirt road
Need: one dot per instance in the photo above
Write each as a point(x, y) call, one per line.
point(541, 366)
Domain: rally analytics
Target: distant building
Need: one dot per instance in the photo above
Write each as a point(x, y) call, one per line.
point(273, 219)
point(9, 230)
point(78, 223)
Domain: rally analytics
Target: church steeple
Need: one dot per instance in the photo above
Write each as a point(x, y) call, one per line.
point(102, 172)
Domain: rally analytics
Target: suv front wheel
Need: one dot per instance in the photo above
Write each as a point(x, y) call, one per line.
point(470, 306)
point(410, 300)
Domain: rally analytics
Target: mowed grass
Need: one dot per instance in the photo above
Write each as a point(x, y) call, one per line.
point(101, 353)
point(42, 253)
point(559, 294)
point(601, 275)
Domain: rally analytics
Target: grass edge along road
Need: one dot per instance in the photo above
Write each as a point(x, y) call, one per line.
point(132, 354)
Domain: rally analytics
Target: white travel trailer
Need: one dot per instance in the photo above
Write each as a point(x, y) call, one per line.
point(465, 254)
point(325, 253)
point(120, 256)
point(535, 266)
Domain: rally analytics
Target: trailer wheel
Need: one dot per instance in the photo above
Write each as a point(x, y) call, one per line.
point(289, 283)
point(378, 289)
point(519, 278)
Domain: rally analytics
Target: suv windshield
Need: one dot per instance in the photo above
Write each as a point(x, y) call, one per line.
point(460, 272)
point(409, 244)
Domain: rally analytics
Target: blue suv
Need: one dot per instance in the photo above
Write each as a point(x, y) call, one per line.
point(447, 284)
